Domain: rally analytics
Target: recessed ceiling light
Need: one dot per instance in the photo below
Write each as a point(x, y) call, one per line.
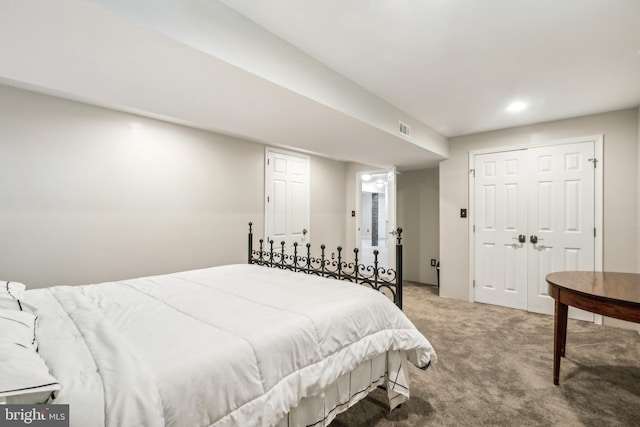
point(516, 106)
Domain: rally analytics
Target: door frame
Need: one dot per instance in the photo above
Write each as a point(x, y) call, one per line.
point(598, 141)
point(358, 231)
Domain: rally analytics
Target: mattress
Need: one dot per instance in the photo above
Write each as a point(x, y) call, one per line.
point(236, 345)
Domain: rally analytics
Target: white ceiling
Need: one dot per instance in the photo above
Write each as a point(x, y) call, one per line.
point(331, 77)
point(456, 64)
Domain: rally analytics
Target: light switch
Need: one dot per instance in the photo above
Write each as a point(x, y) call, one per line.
point(463, 213)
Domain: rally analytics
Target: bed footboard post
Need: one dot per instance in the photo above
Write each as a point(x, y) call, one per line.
point(308, 268)
point(250, 243)
point(376, 272)
point(356, 265)
point(322, 248)
point(271, 253)
point(295, 256)
point(398, 300)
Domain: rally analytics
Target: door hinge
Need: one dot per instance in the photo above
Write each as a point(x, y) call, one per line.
point(594, 161)
point(594, 232)
point(474, 228)
point(268, 199)
point(474, 283)
point(473, 172)
point(268, 161)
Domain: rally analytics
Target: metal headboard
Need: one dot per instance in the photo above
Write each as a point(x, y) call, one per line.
point(379, 278)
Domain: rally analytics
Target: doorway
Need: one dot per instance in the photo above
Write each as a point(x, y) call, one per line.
point(535, 210)
point(376, 219)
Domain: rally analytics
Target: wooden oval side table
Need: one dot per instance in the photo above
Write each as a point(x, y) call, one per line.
point(609, 294)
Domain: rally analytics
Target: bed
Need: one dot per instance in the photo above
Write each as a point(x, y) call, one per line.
point(235, 345)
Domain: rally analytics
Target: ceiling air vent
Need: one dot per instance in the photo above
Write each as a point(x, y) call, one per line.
point(404, 129)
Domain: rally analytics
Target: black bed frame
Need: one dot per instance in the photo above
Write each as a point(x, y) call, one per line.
point(378, 278)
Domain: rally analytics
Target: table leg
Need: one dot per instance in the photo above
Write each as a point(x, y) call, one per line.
point(559, 337)
point(563, 338)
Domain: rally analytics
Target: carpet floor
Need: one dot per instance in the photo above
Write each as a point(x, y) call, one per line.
point(495, 366)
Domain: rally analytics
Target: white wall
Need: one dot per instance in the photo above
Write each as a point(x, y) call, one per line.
point(327, 202)
point(89, 194)
point(418, 214)
point(621, 223)
point(224, 33)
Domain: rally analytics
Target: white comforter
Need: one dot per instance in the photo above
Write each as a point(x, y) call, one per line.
point(234, 345)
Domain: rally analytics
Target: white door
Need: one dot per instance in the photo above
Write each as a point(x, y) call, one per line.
point(500, 220)
point(287, 198)
point(546, 195)
point(562, 218)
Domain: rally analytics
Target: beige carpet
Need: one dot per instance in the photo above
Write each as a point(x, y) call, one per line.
point(495, 368)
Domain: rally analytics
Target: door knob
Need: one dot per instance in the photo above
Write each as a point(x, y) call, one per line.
point(534, 239)
point(304, 231)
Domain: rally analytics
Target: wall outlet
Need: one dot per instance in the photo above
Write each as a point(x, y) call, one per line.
point(433, 262)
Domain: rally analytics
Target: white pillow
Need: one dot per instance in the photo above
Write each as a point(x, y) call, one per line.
point(14, 289)
point(19, 328)
point(24, 376)
point(12, 296)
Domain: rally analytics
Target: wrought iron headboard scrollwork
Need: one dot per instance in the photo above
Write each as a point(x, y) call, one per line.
point(379, 278)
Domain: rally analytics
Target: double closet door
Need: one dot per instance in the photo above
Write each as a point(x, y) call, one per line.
point(534, 213)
